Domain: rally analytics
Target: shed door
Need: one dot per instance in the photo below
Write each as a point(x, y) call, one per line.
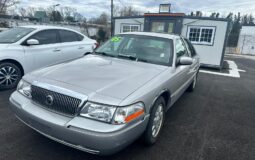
point(162, 26)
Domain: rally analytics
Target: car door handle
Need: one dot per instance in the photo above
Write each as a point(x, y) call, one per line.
point(56, 50)
point(80, 47)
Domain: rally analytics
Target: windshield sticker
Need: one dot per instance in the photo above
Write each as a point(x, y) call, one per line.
point(116, 39)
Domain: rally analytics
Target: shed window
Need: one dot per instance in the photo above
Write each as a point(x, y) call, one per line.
point(201, 35)
point(130, 28)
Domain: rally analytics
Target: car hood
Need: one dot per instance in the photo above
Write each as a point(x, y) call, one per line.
point(4, 46)
point(101, 75)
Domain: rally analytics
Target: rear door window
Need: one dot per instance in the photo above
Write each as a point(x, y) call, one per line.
point(69, 36)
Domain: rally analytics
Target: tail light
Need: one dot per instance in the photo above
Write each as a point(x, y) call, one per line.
point(96, 45)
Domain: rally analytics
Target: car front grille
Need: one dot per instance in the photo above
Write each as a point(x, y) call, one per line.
point(55, 101)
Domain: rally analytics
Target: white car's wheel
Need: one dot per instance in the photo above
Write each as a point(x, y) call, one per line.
point(10, 74)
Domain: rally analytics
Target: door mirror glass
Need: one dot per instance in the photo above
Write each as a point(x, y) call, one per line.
point(185, 61)
point(32, 42)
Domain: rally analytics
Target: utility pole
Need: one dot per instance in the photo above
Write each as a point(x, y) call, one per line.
point(54, 12)
point(111, 17)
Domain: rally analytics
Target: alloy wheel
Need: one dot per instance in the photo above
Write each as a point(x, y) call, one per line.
point(157, 121)
point(8, 76)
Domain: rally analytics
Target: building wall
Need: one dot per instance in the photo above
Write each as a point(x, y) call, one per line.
point(128, 21)
point(246, 41)
point(210, 55)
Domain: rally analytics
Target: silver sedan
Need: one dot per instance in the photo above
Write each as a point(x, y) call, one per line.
point(104, 101)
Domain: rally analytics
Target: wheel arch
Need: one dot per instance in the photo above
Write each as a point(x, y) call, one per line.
point(166, 95)
point(16, 63)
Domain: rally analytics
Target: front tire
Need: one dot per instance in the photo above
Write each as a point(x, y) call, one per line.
point(10, 75)
point(156, 121)
point(193, 84)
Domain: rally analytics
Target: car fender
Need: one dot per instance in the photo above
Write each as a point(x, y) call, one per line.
point(17, 55)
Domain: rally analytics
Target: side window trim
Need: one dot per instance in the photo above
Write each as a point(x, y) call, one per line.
point(186, 45)
point(191, 48)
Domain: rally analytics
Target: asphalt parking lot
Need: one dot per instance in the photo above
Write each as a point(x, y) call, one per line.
point(215, 122)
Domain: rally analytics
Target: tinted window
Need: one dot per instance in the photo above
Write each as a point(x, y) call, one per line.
point(15, 34)
point(46, 37)
point(180, 48)
point(191, 48)
point(69, 36)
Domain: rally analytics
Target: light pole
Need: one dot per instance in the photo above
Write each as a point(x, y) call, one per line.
point(111, 17)
point(53, 14)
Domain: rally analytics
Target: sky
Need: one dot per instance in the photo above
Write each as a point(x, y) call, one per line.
point(93, 8)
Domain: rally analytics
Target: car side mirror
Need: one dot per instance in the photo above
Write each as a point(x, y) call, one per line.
point(185, 61)
point(32, 42)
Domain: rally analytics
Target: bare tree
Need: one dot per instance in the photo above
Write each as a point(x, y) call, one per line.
point(5, 4)
point(129, 11)
point(22, 12)
point(68, 11)
point(50, 10)
point(102, 19)
point(62, 12)
point(30, 11)
point(77, 16)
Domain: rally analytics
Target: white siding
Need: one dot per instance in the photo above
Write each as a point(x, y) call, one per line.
point(246, 42)
point(128, 21)
point(209, 54)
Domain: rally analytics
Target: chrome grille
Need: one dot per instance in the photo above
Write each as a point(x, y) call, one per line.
point(55, 101)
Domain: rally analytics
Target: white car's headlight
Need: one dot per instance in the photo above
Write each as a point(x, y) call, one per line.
point(111, 114)
point(98, 112)
point(24, 88)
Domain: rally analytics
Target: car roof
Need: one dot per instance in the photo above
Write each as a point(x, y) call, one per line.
point(160, 35)
point(44, 27)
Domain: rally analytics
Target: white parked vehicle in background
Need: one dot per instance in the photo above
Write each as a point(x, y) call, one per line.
point(24, 49)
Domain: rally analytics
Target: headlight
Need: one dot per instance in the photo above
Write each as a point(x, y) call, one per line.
point(98, 111)
point(119, 115)
point(129, 113)
point(24, 88)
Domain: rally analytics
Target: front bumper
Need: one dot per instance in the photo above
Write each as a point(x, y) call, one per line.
point(80, 133)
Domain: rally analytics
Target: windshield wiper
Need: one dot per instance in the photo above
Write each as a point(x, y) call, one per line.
point(104, 54)
point(127, 56)
point(142, 60)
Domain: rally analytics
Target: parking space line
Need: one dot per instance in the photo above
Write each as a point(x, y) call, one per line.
point(233, 70)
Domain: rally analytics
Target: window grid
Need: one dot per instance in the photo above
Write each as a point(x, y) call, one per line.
point(201, 35)
point(130, 28)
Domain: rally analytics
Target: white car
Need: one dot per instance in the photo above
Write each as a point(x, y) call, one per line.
point(27, 48)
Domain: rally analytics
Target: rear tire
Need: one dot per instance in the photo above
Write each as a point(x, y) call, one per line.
point(193, 84)
point(156, 121)
point(10, 75)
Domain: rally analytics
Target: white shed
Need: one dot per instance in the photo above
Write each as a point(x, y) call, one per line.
point(208, 35)
point(128, 24)
point(246, 41)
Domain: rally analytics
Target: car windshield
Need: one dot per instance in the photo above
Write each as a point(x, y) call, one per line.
point(140, 48)
point(14, 34)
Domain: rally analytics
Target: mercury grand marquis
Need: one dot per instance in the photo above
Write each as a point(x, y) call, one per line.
point(106, 100)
